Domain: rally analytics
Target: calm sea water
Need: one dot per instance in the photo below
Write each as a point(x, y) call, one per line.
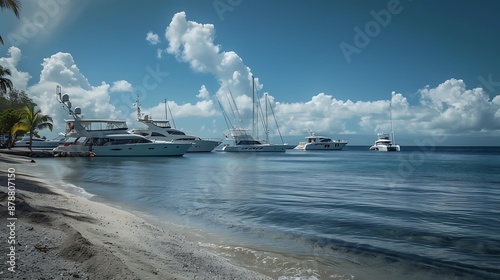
point(423, 213)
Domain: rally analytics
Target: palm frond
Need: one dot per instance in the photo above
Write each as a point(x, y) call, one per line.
point(13, 5)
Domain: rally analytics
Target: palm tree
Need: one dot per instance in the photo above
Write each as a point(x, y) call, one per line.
point(32, 120)
point(5, 83)
point(13, 5)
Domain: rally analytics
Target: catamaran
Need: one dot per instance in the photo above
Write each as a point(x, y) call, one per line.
point(384, 142)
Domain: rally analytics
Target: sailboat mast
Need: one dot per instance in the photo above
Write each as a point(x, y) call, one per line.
point(266, 123)
point(253, 107)
point(392, 130)
point(166, 115)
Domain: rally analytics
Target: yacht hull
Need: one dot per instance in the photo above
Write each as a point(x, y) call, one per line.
point(126, 150)
point(321, 146)
point(255, 148)
point(383, 148)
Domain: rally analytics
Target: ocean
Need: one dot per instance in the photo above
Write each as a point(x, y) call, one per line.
point(422, 213)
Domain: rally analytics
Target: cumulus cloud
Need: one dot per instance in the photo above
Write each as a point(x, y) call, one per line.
point(448, 108)
point(152, 38)
point(193, 43)
point(61, 69)
point(203, 93)
point(19, 79)
point(121, 86)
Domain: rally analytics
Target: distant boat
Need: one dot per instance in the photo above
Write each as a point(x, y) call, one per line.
point(384, 142)
point(37, 143)
point(161, 130)
point(243, 141)
point(109, 138)
point(321, 143)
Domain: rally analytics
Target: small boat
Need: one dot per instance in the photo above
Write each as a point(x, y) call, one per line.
point(244, 142)
point(384, 144)
point(37, 143)
point(163, 131)
point(320, 143)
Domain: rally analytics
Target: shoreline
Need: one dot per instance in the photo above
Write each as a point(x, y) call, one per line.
point(60, 235)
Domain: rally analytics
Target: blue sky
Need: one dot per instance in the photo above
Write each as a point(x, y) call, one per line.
point(329, 66)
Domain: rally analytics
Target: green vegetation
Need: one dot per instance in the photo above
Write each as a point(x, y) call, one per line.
point(13, 5)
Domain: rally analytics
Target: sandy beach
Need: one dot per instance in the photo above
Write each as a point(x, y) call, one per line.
point(52, 234)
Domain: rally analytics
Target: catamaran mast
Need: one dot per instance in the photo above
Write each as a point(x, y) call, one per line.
point(253, 107)
point(266, 126)
point(392, 130)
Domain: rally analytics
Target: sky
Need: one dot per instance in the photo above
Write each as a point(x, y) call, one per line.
point(336, 68)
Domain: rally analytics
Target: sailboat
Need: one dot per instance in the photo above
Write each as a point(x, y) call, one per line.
point(243, 141)
point(384, 142)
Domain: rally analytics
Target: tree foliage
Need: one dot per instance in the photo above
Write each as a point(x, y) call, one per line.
point(13, 5)
point(31, 120)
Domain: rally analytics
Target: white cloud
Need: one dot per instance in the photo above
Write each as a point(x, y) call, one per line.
point(193, 43)
point(61, 69)
point(121, 86)
point(152, 38)
point(203, 93)
point(448, 108)
point(19, 79)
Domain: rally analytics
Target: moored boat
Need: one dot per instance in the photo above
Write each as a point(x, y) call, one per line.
point(321, 143)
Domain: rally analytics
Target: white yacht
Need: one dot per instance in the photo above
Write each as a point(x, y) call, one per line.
point(37, 143)
point(242, 141)
point(320, 143)
point(384, 144)
point(109, 138)
point(161, 130)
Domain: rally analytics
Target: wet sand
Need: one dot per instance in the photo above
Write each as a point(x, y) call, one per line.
point(59, 235)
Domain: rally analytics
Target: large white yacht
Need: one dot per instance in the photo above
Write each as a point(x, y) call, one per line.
point(242, 141)
point(384, 144)
point(38, 143)
point(109, 138)
point(320, 143)
point(162, 130)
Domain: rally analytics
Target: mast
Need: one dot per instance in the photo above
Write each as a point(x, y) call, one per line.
point(166, 115)
point(253, 106)
point(266, 126)
point(390, 113)
point(138, 108)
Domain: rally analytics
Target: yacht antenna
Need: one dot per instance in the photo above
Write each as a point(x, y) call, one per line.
point(166, 114)
point(138, 104)
point(64, 100)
